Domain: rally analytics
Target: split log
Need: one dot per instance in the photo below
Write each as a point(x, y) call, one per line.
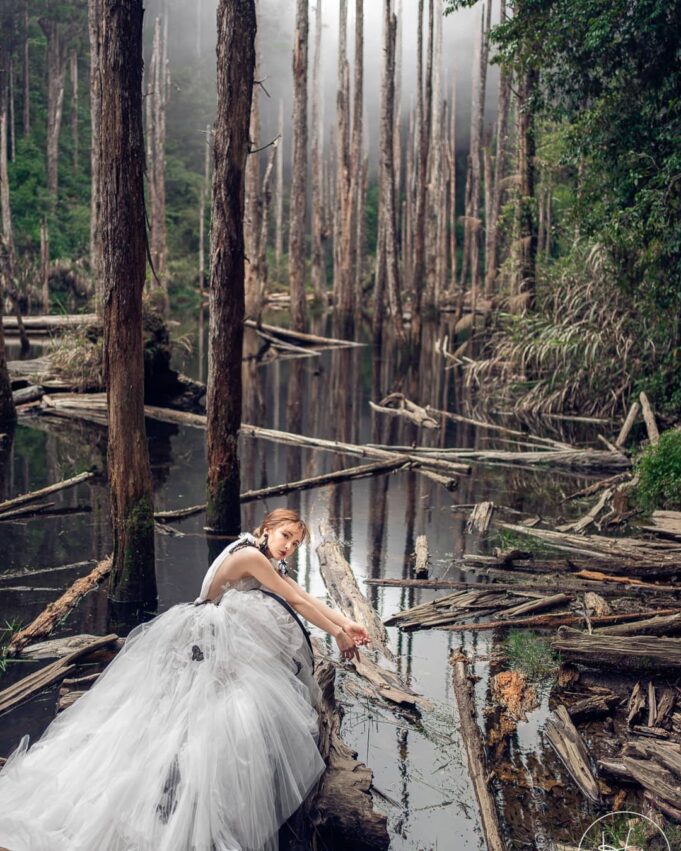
point(557, 619)
point(475, 753)
point(568, 745)
point(480, 517)
point(649, 418)
point(422, 557)
point(9, 504)
point(594, 705)
point(54, 612)
point(665, 709)
point(652, 704)
point(627, 425)
point(358, 472)
point(620, 652)
point(664, 625)
point(343, 589)
point(666, 809)
point(668, 754)
point(655, 779)
point(27, 687)
point(636, 703)
point(535, 605)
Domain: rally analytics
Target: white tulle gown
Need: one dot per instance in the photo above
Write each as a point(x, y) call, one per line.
point(200, 736)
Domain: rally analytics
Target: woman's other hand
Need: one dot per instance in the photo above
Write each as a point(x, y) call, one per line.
point(346, 645)
point(357, 633)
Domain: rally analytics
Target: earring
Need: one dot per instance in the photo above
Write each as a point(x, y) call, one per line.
point(262, 546)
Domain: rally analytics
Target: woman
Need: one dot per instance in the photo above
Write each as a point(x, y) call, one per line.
point(201, 734)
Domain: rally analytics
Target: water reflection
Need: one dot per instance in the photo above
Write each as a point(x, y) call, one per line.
point(418, 766)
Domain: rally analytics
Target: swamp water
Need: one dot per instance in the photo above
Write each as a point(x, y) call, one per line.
point(419, 766)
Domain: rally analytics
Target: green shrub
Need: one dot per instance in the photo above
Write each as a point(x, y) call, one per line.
point(531, 653)
point(659, 471)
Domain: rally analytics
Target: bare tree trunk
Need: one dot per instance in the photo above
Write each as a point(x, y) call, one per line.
point(356, 159)
point(526, 169)
point(261, 262)
point(296, 252)
point(360, 238)
point(56, 73)
point(5, 207)
point(279, 207)
point(73, 73)
point(423, 128)
point(492, 215)
point(318, 268)
point(8, 412)
point(12, 134)
point(202, 212)
point(156, 131)
point(121, 162)
point(45, 265)
point(452, 185)
point(343, 290)
point(397, 131)
point(387, 171)
point(26, 111)
point(236, 22)
point(95, 109)
point(253, 202)
point(434, 178)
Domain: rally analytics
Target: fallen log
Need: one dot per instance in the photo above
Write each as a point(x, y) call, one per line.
point(28, 394)
point(592, 706)
point(658, 625)
point(388, 685)
point(29, 686)
point(584, 522)
point(475, 752)
point(613, 651)
point(47, 323)
point(43, 572)
point(9, 504)
point(282, 346)
point(480, 517)
point(598, 486)
point(54, 612)
point(343, 589)
point(665, 523)
point(570, 749)
point(459, 418)
point(421, 557)
point(397, 405)
point(358, 472)
point(302, 337)
point(536, 605)
point(627, 425)
point(636, 703)
point(552, 620)
point(668, 754)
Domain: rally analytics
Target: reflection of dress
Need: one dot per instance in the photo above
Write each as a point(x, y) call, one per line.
point(199, 736)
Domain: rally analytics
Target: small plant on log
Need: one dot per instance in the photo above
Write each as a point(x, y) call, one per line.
point(531, 653)
point(659, 471)
point(8, 630)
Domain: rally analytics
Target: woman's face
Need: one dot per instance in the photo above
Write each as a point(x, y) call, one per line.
point(283, 540)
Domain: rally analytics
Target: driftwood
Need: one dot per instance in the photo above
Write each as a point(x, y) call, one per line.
point(54, 612)
point(444, 610)
point(664, 625)
point(620, 652)
point(536, 605)
point(480, 517)
point(49, 323)
point(584, 522)
point(343, 589)
point(627, 425)
point(594, 705)
point(599, 486)
point(649, 418)
point(358, 472)
point(571, 750)
point(550, 620)
point(37, 681)
point(421, 557)
point(475, 753)
point(397, 405)
point(388, 685)
point(459, 418)
point(9, 504)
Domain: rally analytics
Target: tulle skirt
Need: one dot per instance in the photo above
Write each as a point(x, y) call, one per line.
point(200, 736)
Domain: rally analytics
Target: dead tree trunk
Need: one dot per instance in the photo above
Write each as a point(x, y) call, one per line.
point(12, 135)
point(387, 178)
point(342, 284)
point(26, 85)
point(296, 248)
point(45, 265)
point(56, 73)
point(356, 163)
point(5, 207)
point(95, 108)
point(451, 157)
point(121, 161)
point(318, 269)
point(279, 209)
point(262, 271)
point(7, 410)
point(156, 131)
point(235, 70)
point(202, 212)
point(492, 215)
point(73, 73)
point(434, 178)
point(527, 237)
point(253, 202)
point(423, 121)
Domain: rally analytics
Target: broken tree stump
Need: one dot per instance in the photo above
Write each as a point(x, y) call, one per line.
point(571, 750)
point(422, 558)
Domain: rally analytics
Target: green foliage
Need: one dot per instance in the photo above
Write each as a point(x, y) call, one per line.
point(659, 471)
point(7, 632)
point(531, 653)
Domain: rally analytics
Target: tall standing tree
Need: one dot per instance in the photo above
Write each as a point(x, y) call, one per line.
point(236, 24)
point(296, 241)
point(93, 12)
point(120, 160)
point(318, 271)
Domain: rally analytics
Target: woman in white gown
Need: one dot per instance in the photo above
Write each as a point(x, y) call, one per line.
point(201, 734)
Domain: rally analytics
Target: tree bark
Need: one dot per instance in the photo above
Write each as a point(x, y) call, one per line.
point(202, 212)
point(236, 21)
point(7, 409)
point(73, 73)
point(45, 265)
point(121, 162)
point(95, 108)
point(56, 73)
point(526, 168)
point(318, 268)
point(157, 92)
point(296, 252)
point(253, 202)
point(279, 207)
point(26, 110)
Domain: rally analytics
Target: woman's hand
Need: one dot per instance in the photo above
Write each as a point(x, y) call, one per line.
point(357, 633)
point(346, 645)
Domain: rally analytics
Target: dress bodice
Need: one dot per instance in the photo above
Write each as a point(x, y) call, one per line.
point(245, 584)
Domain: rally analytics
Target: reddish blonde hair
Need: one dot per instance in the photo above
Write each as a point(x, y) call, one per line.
point(280, 516)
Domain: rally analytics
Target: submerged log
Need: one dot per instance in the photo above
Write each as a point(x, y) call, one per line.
point(571, 750)
point(9, 504)
point(475, 752)
point(54, 612)
point(648, 653)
